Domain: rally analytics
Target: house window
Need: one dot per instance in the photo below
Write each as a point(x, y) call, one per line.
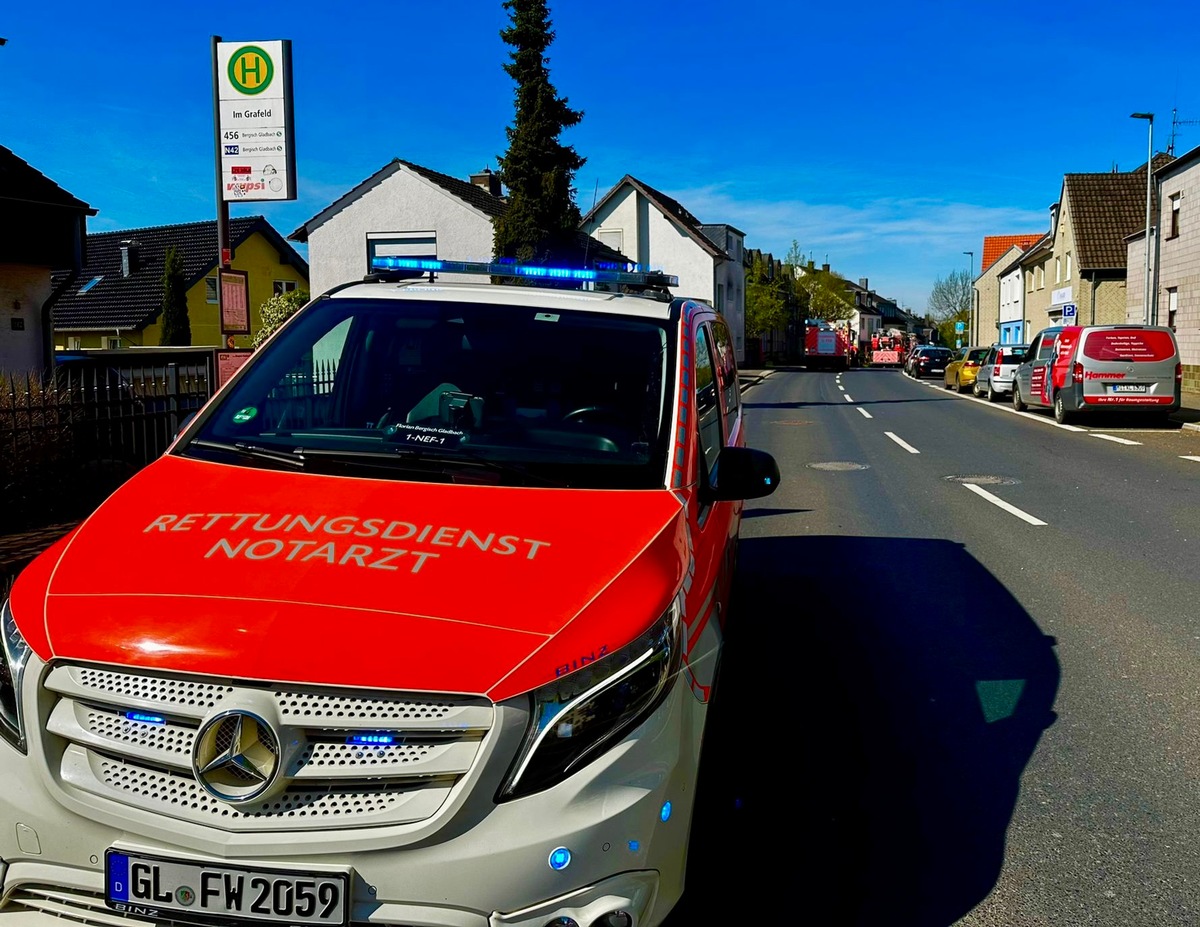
point(91, 283)
point(1041, 276)
point(114, 342)
point(1172, 306)
point(1058, 270)
point(720, 306)
point(613, 238)
point(279, 287)
point(210, 289)
point(74, 342)
point(1068, 265)
point(1029, 281)
point(1175, 198)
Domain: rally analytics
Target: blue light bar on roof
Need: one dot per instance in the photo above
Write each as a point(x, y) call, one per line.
point(421, 266)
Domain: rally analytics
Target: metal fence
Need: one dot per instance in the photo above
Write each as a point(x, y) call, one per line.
point(70, 436)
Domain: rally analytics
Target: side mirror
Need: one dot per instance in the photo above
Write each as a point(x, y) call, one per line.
point(743, 473)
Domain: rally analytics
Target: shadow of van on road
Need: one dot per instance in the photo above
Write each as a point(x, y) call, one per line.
point(877, 703)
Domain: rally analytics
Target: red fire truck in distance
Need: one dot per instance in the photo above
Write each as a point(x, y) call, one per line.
point(826, 346)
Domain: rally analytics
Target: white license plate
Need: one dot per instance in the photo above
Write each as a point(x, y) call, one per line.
point(1129, 387)
point(172, 889)
point(938, 370)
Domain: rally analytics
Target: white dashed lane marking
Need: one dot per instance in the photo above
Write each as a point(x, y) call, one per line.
point(865, 413)
point(904, 444)
point(1000, 503)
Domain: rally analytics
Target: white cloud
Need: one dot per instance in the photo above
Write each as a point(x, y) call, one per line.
point(902, 245)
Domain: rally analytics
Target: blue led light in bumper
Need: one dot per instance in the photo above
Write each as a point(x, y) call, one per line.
point(371, 740)
point(665, 814)
point(145, 718)
point(560, 859)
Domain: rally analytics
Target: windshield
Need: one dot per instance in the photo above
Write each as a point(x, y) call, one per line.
point(457, 392)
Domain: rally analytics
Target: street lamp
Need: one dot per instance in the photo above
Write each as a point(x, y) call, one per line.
point(971, 267)
point(1149, 117)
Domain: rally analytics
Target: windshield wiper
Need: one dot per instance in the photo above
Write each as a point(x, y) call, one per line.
point(256, 451)
point(466, 455)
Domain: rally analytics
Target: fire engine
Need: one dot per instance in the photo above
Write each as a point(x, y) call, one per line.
point(888, 347)
point(826, 347)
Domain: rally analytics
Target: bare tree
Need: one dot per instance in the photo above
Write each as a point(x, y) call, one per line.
point(950, 300)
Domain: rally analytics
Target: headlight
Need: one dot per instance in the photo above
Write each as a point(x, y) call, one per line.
point(578, 716)
point(14, 653)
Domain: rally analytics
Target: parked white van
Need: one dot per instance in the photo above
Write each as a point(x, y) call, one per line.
point(1096, 368)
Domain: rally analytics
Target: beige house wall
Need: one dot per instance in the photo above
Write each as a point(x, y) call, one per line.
point(1110, 302)
point(987, 302)
point(1179, 267)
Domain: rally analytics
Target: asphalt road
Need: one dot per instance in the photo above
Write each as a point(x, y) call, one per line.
point(962, 684)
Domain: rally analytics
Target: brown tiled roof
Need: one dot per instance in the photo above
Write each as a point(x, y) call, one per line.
point(1105, 209)
point(21, 182)
point(132, 302)
point(669, 207)
point(996, 246)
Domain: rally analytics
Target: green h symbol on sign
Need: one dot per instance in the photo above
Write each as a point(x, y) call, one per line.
point(250, 70)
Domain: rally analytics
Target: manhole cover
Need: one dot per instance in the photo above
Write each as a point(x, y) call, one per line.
point(838, 465)
point(984, 480)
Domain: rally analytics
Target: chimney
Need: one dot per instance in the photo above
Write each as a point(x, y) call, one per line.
point(862, 282)
point(825, 267)
point(487, 181)
point(129, 256)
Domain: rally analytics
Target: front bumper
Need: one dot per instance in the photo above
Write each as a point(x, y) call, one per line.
point(480, 864)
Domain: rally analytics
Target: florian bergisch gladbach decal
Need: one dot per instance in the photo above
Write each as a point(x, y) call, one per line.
point(336, 540)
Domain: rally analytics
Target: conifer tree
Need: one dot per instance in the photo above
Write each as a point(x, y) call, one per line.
point(176, 327)
point(541, 224)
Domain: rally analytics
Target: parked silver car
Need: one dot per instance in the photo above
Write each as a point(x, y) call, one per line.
point(995, 377)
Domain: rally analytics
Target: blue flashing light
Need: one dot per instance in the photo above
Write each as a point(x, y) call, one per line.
point(505, 267)
point(664, 813)
point(145, 718)
point(371, 740)
point(634, 846)
point(560, 859)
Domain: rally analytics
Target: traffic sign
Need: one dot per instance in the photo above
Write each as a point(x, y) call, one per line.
point(1069, 311)
point(959, 327)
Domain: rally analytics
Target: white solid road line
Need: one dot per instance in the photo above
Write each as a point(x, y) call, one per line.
point(867, 414)
point(1115, 439)
point(1189, 457)
point(1008, 408)
point(904, 444)
point(997, 501)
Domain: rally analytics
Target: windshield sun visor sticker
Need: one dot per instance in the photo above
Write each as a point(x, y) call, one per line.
point(241, 416)
point(424, 435)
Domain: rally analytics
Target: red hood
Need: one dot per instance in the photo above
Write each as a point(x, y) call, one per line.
point(206, 568)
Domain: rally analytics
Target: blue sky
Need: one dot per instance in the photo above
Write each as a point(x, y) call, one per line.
point(885, 138)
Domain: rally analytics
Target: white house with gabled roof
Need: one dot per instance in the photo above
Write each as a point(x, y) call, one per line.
point(658, 232)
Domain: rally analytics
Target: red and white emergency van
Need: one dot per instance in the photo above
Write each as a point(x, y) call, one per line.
point(1092, 369)
point(417, 622)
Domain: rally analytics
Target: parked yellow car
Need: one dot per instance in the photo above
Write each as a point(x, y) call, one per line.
point(961, 371)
